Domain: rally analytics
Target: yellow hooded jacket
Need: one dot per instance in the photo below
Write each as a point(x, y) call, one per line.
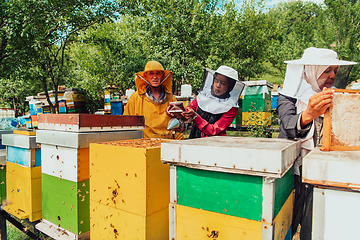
point(156, 120)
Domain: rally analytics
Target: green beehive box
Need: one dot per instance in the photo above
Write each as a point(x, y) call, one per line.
point(256, 105)
point(247, 182)
point(258, 89)
point(227, 193)
point(66, 203)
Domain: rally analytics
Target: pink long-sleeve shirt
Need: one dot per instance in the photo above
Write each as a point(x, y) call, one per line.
point(219, 127)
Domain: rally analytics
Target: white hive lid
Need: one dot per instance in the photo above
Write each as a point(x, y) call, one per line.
point(252, 156)
point(332, 168)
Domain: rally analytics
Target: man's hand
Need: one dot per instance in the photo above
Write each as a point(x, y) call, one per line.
point(318, 103)
point(169, 114)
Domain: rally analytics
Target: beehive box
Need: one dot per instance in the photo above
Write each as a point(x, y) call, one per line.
point(341, 131)
point(22, 149)
point(256, 105)
point(336, 193)
point(90, 122)
point(260, 89)
point(23, 191)
point(65, 161)
point(256, 118)
point(66, 203)
point(238, 180)
point(333, 168)
point(129, 179)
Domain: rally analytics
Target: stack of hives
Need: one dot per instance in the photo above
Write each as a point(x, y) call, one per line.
point(65, 171)
point(256, 105)
point(129, 191)
point(75, 101)
point(23, 175)
point(227, 188)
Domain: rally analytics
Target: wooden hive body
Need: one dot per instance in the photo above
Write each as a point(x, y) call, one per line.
point(131, 181)
point(341, 131)
point(66, 203)
point(336, 197)
point(242, 182)
point(23, 191)
point(65, 160)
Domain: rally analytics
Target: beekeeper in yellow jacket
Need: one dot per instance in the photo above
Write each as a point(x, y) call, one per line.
point(151, 99)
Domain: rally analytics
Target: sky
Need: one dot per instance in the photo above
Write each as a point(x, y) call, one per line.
point(270, 3)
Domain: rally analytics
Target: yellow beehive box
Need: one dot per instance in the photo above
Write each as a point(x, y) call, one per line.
point(193, 223)
point(23, 191)
point(129, 176)
point(110, 223)
point(256, 118)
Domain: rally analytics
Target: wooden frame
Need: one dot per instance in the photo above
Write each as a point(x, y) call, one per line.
point(330, 139)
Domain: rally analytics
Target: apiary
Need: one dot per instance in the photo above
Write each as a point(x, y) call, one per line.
point(129, 190)
point(65, 169)
point(341, 132)
point(336, 196)
point(244, 183)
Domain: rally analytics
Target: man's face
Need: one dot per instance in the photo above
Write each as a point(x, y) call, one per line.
point(154, 77)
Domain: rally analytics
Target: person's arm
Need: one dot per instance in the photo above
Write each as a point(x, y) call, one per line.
point(289, 120)
point(222, 124)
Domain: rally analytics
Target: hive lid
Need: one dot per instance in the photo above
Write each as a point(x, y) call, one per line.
point(252, 156)
point(333, 168)
point(19, 140)
point(89, 122)
point(83, 139)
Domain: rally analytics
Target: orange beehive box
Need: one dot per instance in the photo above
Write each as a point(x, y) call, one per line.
point(341, 131)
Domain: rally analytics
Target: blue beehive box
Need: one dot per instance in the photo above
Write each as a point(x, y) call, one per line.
point(274, 100)
point(116, 108)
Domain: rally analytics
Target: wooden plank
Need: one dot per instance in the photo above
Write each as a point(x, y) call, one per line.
point(28, 132)
point(58, 233)
point(111, 223)
point(66, 203)
point(192, 223)
point(89, 121)
point(341, 132)
point(229, 194)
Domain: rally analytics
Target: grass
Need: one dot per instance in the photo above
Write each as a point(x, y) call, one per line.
point(14, 233)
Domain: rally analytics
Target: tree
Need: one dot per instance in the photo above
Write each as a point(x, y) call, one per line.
point(39, 32)
point(296, 23)
point(340, 30)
